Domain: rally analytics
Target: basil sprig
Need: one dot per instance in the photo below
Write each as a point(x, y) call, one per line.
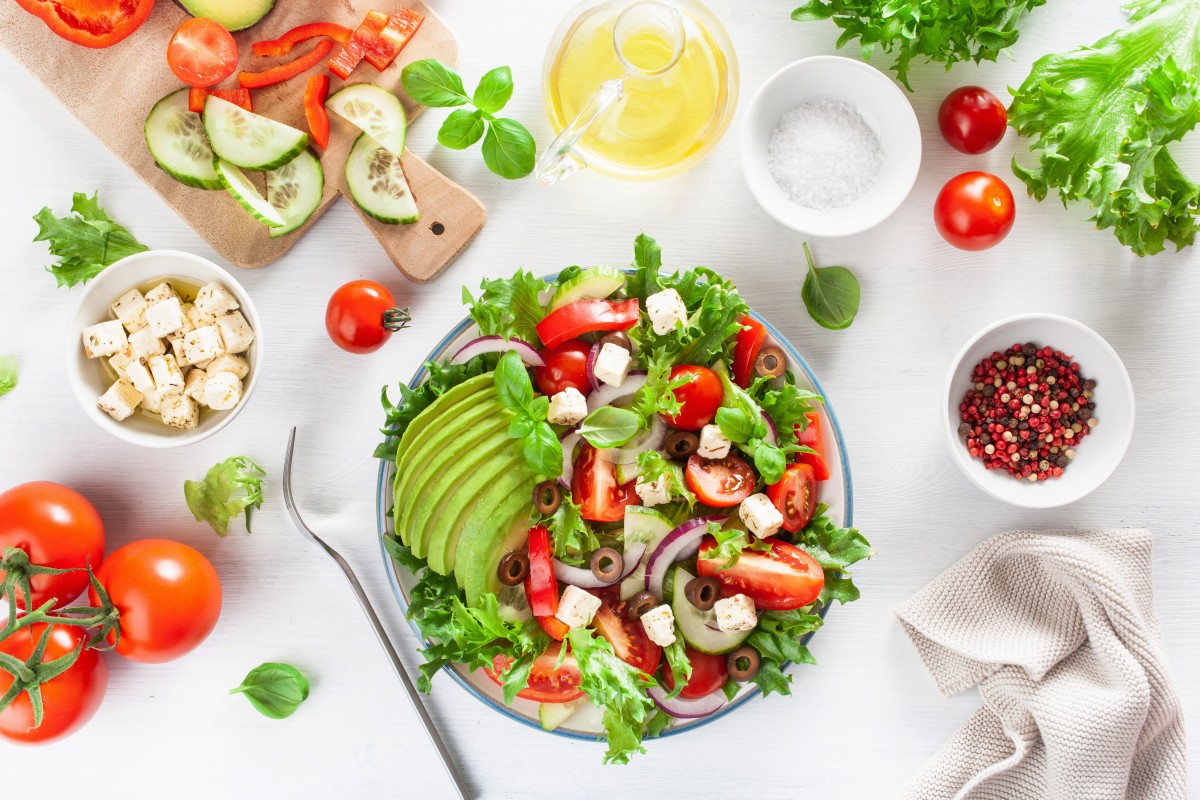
point(742, 422)
point(276, 690)
point(830, 294)
point(609, 426)
point(542, 451)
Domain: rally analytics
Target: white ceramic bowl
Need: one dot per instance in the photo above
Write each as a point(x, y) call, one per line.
point(883, 106)
point(87, 378)
point(1097, 455)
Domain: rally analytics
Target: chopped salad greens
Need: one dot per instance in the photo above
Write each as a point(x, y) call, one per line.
point(228, 488)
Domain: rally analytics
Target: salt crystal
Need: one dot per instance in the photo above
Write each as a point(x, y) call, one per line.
point(823, 154)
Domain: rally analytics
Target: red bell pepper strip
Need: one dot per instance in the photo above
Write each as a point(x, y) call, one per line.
point(239, 97)
point(749, 341)
point(314, 109)
point(353, 51)
point(284, 44)
point(196, 97)
point(541, 587)
point(399, 29)
point(585, 316)
point(811, 437)
point(283, 72)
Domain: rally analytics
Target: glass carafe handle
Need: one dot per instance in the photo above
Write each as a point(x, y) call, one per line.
point(558, 162)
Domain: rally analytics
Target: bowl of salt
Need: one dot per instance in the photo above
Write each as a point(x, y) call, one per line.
point(830, 146)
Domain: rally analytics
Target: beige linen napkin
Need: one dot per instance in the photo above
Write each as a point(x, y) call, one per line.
point(1057, 628)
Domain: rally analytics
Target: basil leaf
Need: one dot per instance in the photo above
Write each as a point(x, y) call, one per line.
point(770, 462)
point(432, 83)
point(735, 424)
point(543, 453)
point(512, 382)
point(609, 426)
point(494, 90)
point(276, 690)
point(509, 149)
point(461, 129)
point(830, 294)
point(539, 408)
point(521, 426)
point(8, 374)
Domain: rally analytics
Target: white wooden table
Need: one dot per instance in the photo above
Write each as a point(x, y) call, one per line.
point(859, 724)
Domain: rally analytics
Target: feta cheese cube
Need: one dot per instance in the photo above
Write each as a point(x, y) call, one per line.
point(577, 607)
point(130, 310)
point(666, 310)
point(202, 364)
point(180, 411)
point(164, 291)
point(713, 443)
point(653, 493)
point(138, 373)
point(222, 391)
point(568, 407)
point(659, 623)
point(152, 402)
point(175, 346)
point(214, 300)
point(229, 363)
point(120, 400)
point(203, 343)
point(735, 613)
point(612, 364)
point(193, 386)
point(105, 339)
point(236, 333)
point(144, 344)
point(121, 359)
point(165, 318)
point(188, 325)
point(167, 376)
point(760, 515)
point(197, 318)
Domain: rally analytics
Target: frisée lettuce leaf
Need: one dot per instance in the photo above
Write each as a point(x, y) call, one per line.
point(617, 688)
point(508, 307)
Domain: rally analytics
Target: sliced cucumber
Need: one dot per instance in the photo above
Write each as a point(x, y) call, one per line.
point(238, 185)
point(642, 525)
point(375, 111)
point(628, 472)
point(377, 183)
point(294, 190)
point(176, 139)
point(593, 283)
point(249, 140)
point(699, 628)
point(551, 715)
point(514, 604)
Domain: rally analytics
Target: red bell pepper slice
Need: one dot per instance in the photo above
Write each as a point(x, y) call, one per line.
point(283, 72)
point(812, 437)
point(353, 51)
point(745, 352)
point(585, 316)
point(239, 97)
point(399, 29)
point(196, 97)
point(314, 109)
point(541, 587)
point(284, 44)
point(91, 24)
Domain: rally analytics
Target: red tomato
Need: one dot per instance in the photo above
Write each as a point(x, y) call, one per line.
point(362, 315)
point(168, 594)
point(594, 486)
point(795, 496)
point(56, 527)
point(68, 700)
point(974, 211)
point(585, 316)
point(566, 366)
point(719, 482)
point(709, 674)
point(202, 53)
point(94, 23)
point(629, 639)
point(785, 579)
point(745, 352)
point(541, 587)
point(548, 682)
point(699, 398)
point(812, 437)
point(972, 120)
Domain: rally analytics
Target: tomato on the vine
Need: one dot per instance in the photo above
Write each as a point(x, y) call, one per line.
point(69, 700)
point(362, 315)
point(972, 119)
point(699, 398)
point(566, 367)
point(974, 211)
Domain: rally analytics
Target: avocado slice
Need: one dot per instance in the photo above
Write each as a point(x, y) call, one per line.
point(479, 554)
point(437, 408)
point(472, 504)
point(232, 15)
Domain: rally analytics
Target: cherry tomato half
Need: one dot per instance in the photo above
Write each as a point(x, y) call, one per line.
point(548, 682)
point(594, 486)
point(629, 639)
point(812, 437)
point(972, 119)
point(974, 211)
point(362, 315)
point(719, 482)
point(795, 495)
point(202, 53)
point(69, 700)
point(566, 366)
point(699, 398)
point(784, 579)
point(709, 674)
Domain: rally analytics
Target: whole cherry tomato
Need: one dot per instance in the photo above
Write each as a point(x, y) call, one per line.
point(362, 315)
point(566, 366)
point(974, 211)
point(69, 700)
point(972, 120)
point(699, 398)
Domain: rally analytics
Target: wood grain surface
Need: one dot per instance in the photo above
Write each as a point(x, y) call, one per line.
point(863, 720)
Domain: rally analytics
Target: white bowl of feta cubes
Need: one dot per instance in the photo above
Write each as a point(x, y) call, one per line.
point(164, 349)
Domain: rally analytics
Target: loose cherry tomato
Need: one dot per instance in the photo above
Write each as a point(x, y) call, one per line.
point(812, 437)
point(548, 682)
point(629, 639)
point(795, 496)
point(709, 674)
point(168, 595)
point(974, 211)
point(719, 482)
point(69, 700)
point(541, 587)
point(566, 366)
point(202, 53)
point(362, 315)
point(586, 316)
point(972, 119)
point(699, 398)
point(594, 486)
point(784, 579)
point(95, 23)
point(745, 352)
point(57, 527)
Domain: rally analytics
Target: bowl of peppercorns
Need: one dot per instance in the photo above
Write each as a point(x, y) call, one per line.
point(1024, 402)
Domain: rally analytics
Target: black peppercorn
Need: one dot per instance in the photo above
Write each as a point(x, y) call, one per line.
point(1029, 349)
point(1089, 384)
point(964, 429)
point(989, 390)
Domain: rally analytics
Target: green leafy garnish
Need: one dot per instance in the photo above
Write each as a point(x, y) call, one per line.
point(572, 537)
point(442, 378)
point(276, 690)
point(8, 374)
point(658, 722)
point(617, 688)
point(542, 451)
point(777, 640)
point(647, 261)
point(787, 406)
point(1100, 119)
point(609, 426)
point(227, 488)
point(657, 394)
point(508, 307)
point(508, 147)
point(830, 294)
point(652, 466)
point(835, 549)
point(730, 544)
point(681, 667)
point(741, 420)
point(85, 243)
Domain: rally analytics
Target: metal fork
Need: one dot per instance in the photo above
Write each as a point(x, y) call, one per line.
point(376, 625)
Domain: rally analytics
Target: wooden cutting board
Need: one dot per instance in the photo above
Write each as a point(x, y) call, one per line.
point(112, 90)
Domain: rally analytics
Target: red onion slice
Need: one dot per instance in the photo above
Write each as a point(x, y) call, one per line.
point(681, 708)
point(568, 454)
point(772, 436)
point(681, 543)
point(498, 344)
point(593, 354)
point(607, 395)
point(584, 578)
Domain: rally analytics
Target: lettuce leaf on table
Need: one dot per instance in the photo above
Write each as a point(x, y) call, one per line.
point(85, 242)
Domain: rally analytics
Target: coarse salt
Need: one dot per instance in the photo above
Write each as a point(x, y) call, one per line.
point(823, 154)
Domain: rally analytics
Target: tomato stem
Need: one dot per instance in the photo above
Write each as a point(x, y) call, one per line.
point(396, 319)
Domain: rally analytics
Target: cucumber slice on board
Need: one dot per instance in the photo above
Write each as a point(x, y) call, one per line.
point(375, 111)
point(593, 283)
point(175, 137)
point(249, 140)
point(377, 184)
point(294, 190)
point(699, 628)
point(238, 185)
